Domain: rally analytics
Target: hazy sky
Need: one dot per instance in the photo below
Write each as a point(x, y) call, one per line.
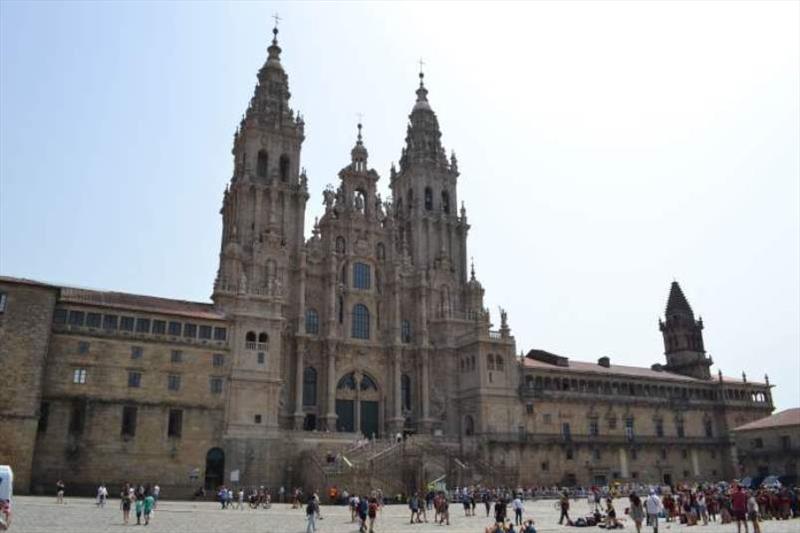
point(605, 149)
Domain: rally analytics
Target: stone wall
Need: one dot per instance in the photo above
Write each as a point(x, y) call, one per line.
point(24, 337)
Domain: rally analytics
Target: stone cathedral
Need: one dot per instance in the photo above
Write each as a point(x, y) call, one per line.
point(371, 323)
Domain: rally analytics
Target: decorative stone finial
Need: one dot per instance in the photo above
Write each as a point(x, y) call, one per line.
point(472, 269)
point(744, 377)
point(719, 372)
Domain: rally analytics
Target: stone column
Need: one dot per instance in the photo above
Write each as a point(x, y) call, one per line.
point(426, 421)
point(299, 416)
point(330, 415)
point(623, 463)
point(397, 422)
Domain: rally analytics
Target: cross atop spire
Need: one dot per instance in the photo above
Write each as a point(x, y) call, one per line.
point(275, 28)
point(421, 73)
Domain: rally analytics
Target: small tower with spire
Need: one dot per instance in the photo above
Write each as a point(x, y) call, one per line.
point(683, 337)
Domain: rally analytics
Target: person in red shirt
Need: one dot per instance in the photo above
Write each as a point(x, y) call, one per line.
point(739, 505)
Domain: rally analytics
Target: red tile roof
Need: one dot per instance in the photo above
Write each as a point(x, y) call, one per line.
point(132, 302)
point(613, 370)
point(789, 417)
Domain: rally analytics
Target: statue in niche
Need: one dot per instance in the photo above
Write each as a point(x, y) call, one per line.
point(242, 282)
point(359, 202)
point(379, 206)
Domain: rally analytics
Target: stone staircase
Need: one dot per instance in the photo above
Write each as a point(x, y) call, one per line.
point(401, 468)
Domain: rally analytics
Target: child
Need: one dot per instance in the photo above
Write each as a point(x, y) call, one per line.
point(149, 503)
point(139, 508)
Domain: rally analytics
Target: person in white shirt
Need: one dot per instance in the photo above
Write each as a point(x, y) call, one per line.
point(518, 510)
point(653, 506)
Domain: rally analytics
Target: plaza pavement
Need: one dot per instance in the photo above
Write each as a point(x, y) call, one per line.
point(34, 514)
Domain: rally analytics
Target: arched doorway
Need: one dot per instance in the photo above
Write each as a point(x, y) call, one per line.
point(358, 404)
point(215, 468)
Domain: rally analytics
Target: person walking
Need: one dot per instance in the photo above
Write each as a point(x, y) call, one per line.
point(149, 504)
point(739, 506)
point(311, 516)
point(372, 513)
point(413, 505)
point(752, 513)
point(156, 495)
point(564, 508)
point(60, 488)
point(653, 507)
point(125, 503)
point(636, 511)
point(139, 507)
point(102, 495)
point(518, 510)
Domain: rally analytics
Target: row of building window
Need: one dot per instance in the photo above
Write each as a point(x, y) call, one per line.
point(137, 352)
point(428, 197)
point(262, 165)
point(188, 330)
point(349, 382)
point(594, 426)
point(639, 389)
point(77, 420)
point(80, 376)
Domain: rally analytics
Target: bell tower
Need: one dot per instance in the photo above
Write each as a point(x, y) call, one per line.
point(683, 337)
point(426, 197)
point(258, 281)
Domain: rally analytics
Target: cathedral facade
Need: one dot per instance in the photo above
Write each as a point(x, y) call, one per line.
point(374, 325)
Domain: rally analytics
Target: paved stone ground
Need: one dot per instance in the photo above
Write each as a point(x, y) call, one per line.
point(79, 515)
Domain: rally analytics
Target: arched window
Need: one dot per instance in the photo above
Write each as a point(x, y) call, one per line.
point(405, 331)
point(360, 322)
point(262, 164)
point(312, 322)
point(428, 199)
point(380, 251)
point(405, 392)
point(309, 386)
point(341, 310)
point(445, 202)
point(348, 381)
point(250, 337)
point(361, 276)
point(263, 338)
point(343, 278)
point(284, 167)
point(340, 244)
point(469, 426)
point(367, 383)
point(490, 362)
point(410, 199)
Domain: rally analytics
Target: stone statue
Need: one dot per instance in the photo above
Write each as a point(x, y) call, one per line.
point(243, 282)
point(328, 196)
point(503, 318)
point(359, 203)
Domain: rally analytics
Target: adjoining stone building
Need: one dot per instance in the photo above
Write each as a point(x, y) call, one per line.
point(770, 446)
point(309, 342)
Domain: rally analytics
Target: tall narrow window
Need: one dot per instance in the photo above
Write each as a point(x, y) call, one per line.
point(134, 379)
point(360, 322)
point(174, 382)
point(361, 276)
point(128, 421)
point(679, 429)
point(175, 423)
point(312, 322)
point(405, 392)
point(262, 164)
point(215, 384)
point(659, 424)
point(309, 386)
point(44, 417)
point(284, 164)
point(341, 310)
point(79, 376)
point(445, 202)
point(428, 199)
point(77, 417)
point(3, 300)
point(405, 331)
point(629, 428)
point(709, 428)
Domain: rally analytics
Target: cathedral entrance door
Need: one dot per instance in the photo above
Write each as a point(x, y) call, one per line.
point(358, 404)
point(369, 419)
point(345, 412)
point(215, 468)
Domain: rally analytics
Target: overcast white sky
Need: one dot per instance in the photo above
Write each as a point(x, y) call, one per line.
point(605, 149)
